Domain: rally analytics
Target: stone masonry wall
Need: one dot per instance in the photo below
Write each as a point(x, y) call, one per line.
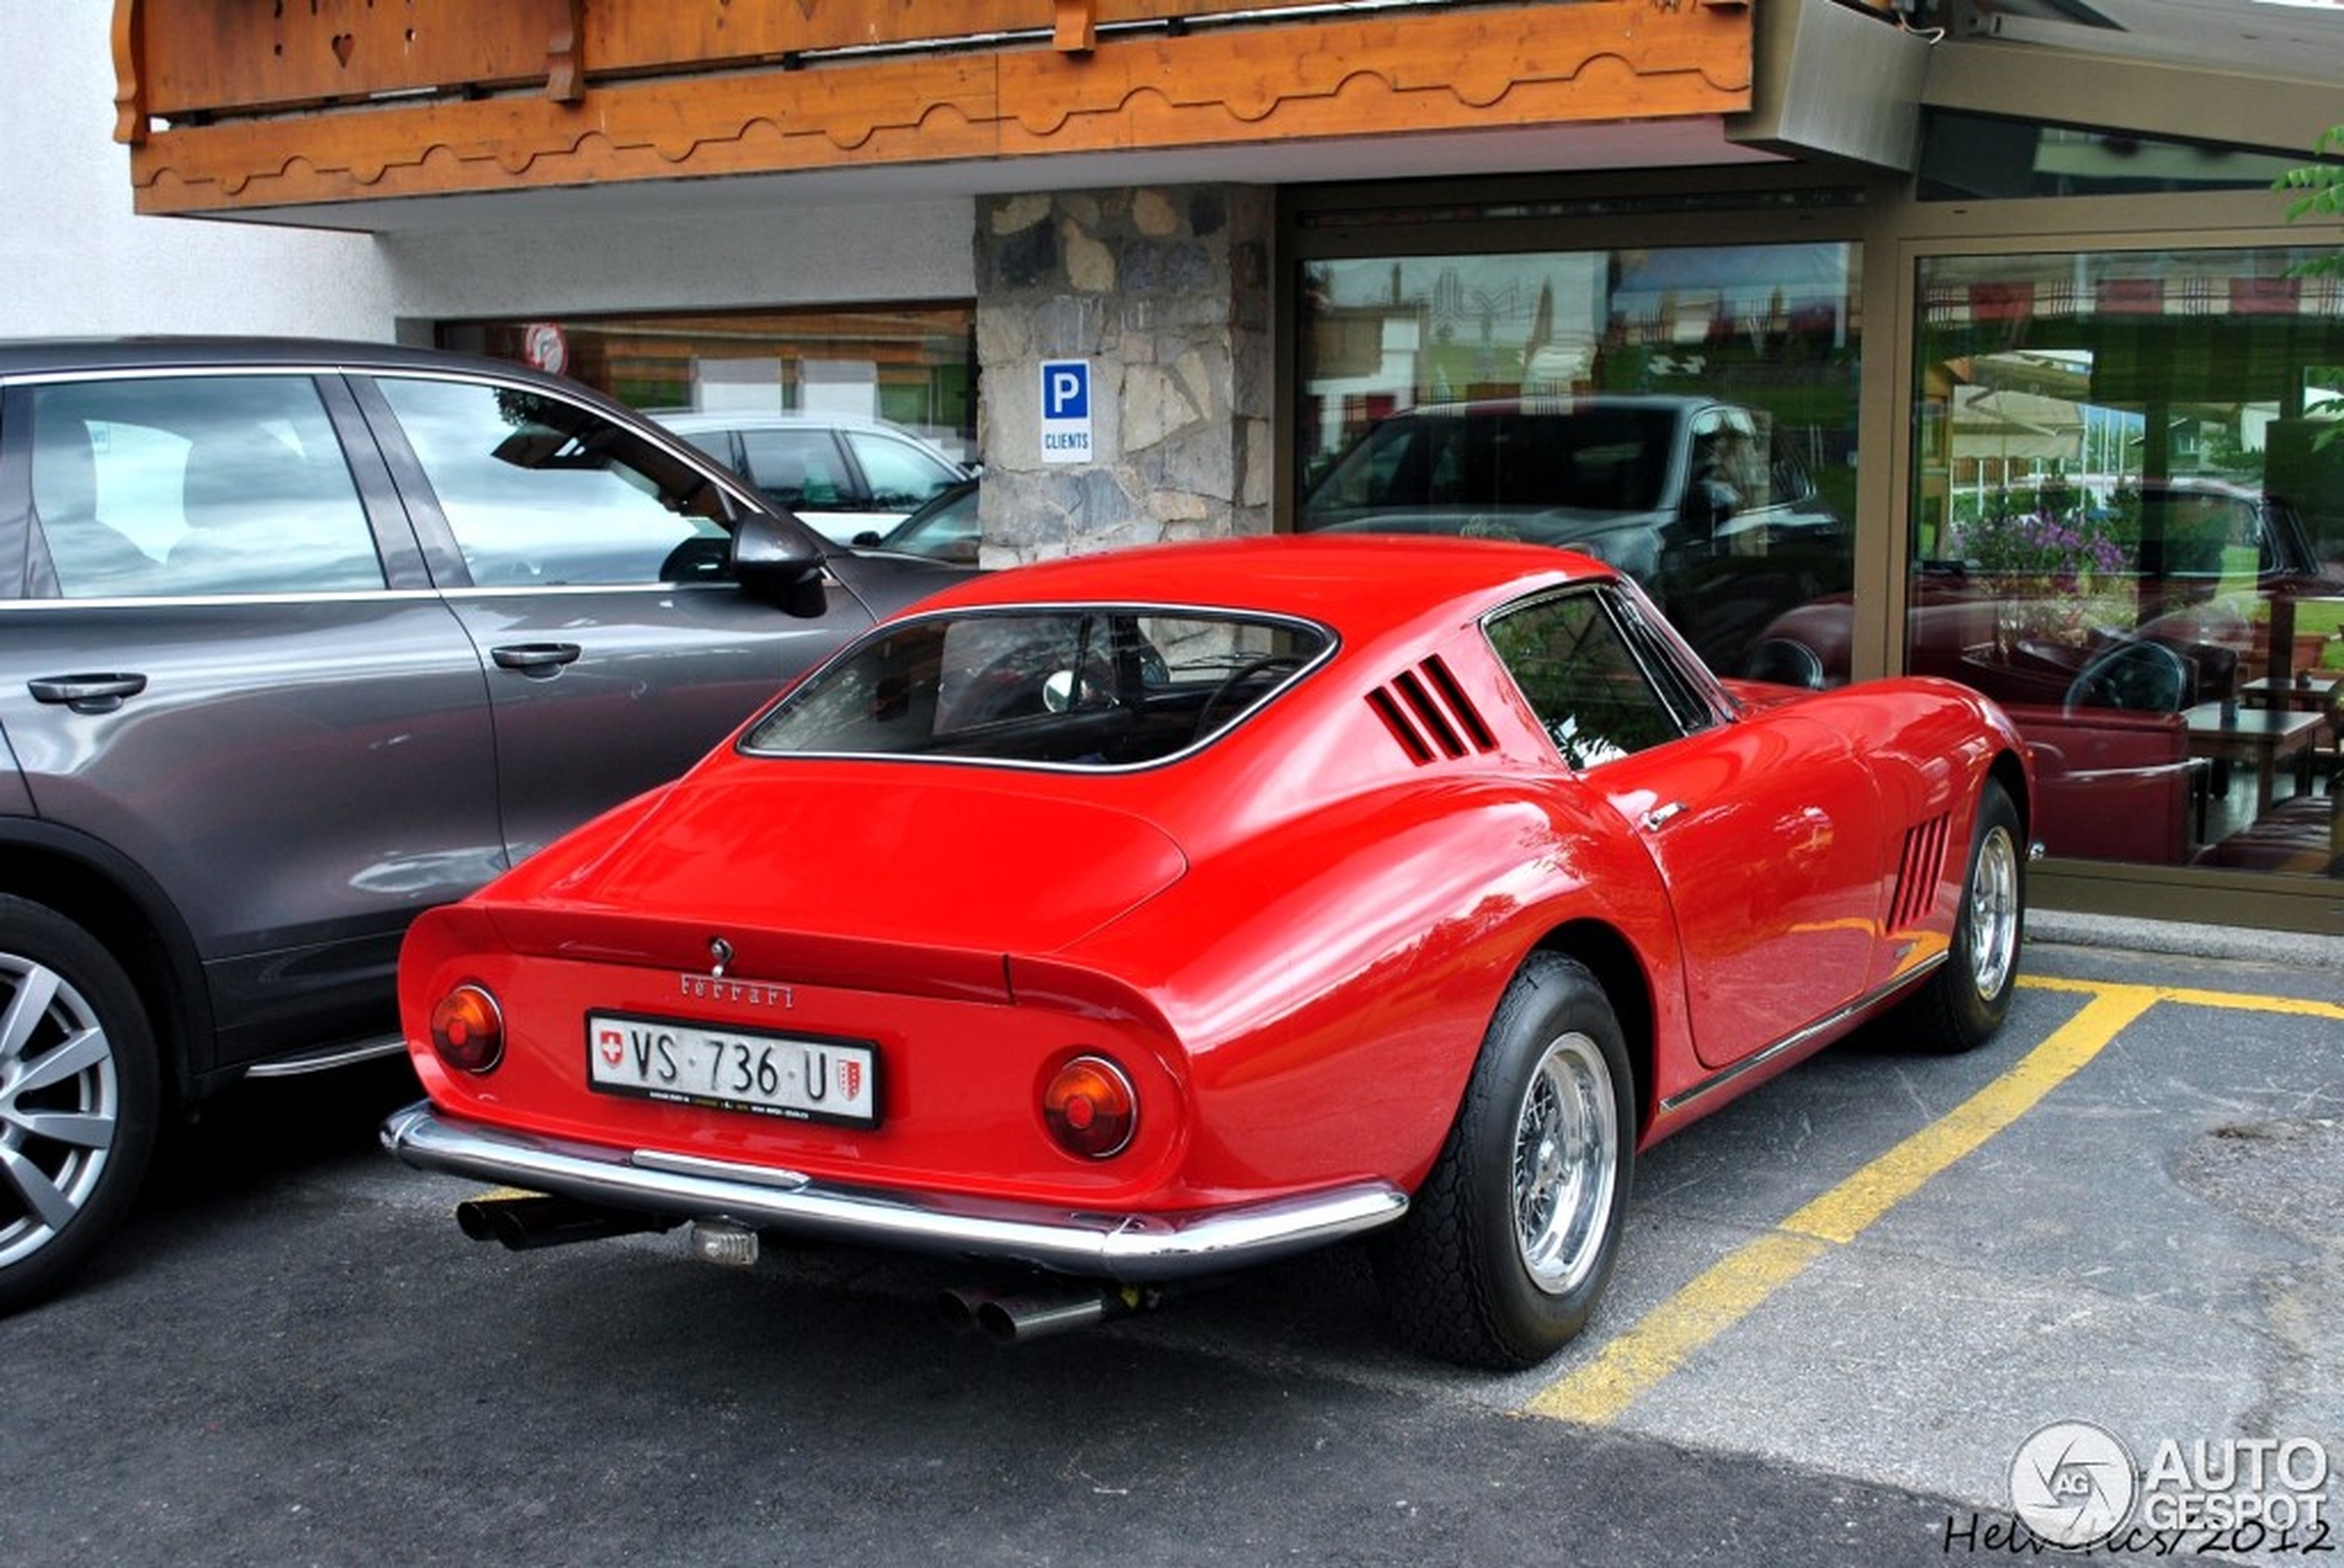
point(1166, 292)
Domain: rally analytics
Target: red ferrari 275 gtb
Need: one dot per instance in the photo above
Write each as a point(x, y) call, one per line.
point(1145, 914)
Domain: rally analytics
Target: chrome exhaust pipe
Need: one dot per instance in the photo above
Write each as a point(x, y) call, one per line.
point(1013, 1318)
point(523, 1221)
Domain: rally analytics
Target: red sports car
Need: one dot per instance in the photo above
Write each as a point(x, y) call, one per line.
point(1141, 916)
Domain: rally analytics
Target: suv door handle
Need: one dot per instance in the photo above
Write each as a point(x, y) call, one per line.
point(86, 694)
point(535, 658)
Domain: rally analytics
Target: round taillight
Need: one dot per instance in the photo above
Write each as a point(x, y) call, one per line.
point(1090, 1108)
point(468, 1029)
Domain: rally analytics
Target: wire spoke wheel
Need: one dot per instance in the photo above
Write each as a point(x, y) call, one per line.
point(1565, 1161)
point(1509, 1240)
point(1991, 911)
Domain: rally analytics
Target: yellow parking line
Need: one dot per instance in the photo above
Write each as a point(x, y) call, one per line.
point(1636, 1360)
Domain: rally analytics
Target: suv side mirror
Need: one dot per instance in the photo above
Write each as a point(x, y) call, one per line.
point(774, 562)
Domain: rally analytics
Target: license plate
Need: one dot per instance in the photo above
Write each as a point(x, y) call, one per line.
point(800, 1077)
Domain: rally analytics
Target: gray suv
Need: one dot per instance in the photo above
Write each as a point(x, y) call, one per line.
point(301, 638)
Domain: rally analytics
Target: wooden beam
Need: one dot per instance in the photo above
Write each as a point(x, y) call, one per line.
point(1077, 26)
point(129, 78)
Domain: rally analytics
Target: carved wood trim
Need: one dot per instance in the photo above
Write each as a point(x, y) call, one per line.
point(1364, 74)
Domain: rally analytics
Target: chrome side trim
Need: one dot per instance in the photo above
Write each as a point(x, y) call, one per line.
point(1130, 1248)
point(328, 1060)
point(1791, 1042)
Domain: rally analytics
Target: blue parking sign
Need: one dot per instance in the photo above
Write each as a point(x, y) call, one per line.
point(1066, 411)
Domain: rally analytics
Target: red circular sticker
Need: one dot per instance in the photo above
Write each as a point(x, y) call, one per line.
point(543, 345)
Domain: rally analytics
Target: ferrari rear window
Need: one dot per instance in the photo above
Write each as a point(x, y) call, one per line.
point(1099, 687)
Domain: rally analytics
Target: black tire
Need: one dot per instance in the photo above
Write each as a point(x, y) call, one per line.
point(79, 1097)
point(1508, 1244)
point(1964, 1003)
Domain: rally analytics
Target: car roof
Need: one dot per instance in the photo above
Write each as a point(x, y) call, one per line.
point(687, 420)
point(21, 356)
point(1550, 404)
point(1361, 585)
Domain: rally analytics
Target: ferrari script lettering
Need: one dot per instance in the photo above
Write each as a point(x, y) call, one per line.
point(705, 988)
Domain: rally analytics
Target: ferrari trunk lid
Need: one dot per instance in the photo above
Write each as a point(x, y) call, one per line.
point(894, 877)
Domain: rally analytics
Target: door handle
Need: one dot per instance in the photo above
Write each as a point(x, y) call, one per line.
point(535, 658)
point(1661, 817)
point(86, 694)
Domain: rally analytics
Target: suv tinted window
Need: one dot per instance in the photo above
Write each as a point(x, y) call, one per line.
point(539, 492)
point(188, 486)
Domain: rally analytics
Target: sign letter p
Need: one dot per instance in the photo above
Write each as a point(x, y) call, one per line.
point(1066, 389)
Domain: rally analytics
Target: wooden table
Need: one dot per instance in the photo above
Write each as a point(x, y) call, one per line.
point(2305, 693)
point(2263, 737)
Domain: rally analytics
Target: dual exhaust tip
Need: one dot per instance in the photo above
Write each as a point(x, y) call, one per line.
point(1015, 1317)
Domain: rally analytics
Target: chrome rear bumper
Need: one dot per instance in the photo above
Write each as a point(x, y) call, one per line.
point(1130, 1248)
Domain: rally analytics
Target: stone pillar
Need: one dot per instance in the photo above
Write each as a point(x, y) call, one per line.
point(1165, 290)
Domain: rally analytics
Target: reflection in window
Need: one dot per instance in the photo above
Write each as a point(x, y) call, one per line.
point(1688, 414)
point(910, 365)
point(196, 486)
point(2128, 526)
point(539, 492)
point(1590, 694)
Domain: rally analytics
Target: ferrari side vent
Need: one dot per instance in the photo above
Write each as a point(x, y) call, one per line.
point(1430, 714)
point(1918, 873)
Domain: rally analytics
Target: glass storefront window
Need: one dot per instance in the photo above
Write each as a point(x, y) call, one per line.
point(1965, 157)
point(912, 365)
point(1687, 413)
point(2128, 526)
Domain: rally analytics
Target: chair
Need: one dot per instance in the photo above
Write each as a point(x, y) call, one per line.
point(2114, 785)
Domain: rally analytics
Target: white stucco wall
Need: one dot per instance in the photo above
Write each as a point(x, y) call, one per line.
point(76, 260)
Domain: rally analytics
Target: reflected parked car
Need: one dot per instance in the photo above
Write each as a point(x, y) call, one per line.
point(1402, 887)
point(304, 637)
point(842, 474)
point(1704, 503)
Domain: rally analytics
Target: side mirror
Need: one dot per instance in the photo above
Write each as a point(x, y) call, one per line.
point(777, 563)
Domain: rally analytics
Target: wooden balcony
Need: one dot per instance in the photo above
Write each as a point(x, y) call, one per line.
point(234, 107)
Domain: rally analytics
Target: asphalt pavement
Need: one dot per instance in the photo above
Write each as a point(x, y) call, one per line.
point(1846, 1307)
